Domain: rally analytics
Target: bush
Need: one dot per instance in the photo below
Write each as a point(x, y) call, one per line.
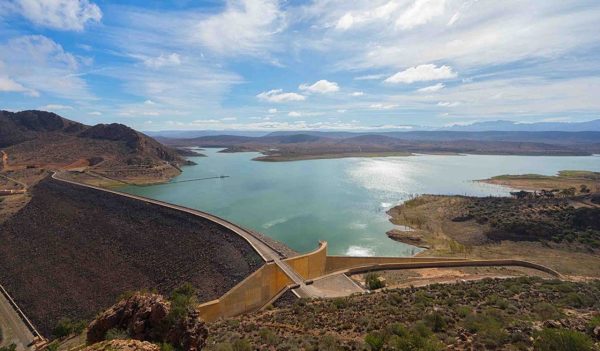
point(165, 346)
point(546, 311)
point(11, 347)
point(116, 334)
point(436, 322)
point(66, 327)
point(373, 282)
point(562, 340)
point(489, 328)
point(375, 340)
point(182, 299)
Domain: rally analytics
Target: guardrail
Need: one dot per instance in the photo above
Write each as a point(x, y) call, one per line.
point(21, 314)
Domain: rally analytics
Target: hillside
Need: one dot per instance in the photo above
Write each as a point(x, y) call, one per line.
point(71, 251)
point(501, 314)
point(45, 140)
point(287, 146)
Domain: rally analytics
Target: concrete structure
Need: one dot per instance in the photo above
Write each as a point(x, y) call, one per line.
point(312, 264)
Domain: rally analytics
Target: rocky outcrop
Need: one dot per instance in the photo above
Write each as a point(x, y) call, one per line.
point(141, 316)
point(123, 345)
point(146, 317)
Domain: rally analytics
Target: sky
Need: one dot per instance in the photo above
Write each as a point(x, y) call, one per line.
point(296, 65)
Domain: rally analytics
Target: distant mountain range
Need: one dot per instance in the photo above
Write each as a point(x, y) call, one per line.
point(489, 126)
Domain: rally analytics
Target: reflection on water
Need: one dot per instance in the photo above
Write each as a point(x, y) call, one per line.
point(342, 201)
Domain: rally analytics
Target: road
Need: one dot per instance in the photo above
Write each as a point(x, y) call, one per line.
point(13, 328)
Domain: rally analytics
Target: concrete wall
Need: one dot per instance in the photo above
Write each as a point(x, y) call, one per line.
point(249, 295)
point(338, 263)
point(310, 265)
point(445, 262)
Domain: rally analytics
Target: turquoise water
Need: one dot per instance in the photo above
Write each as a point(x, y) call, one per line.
point(342, 201)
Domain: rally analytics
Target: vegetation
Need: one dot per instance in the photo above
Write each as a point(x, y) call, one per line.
point(11, 347)
point(542, 219)
point(66, 327)
point(563, 340)
point(374, 281)
point(487, 314)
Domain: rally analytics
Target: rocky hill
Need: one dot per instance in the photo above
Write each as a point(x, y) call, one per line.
point(47, 140)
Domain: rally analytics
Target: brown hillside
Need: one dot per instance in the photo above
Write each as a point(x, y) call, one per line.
point(44, 139)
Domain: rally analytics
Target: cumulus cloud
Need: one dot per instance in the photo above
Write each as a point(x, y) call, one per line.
point(59, 14)
point(244, 27)
point(357, 93)
point(320, 87)
point(421, 12)
point(272, 110)
point(163, 60)
point(432, 88)
point(294, 114)
point(277, 95)
point(422, 73)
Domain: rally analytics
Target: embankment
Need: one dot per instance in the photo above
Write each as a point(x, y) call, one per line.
point(73, 250)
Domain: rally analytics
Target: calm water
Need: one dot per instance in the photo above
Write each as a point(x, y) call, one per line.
point(342, 201)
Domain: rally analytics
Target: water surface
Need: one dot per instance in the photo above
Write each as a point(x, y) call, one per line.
point(342, 201)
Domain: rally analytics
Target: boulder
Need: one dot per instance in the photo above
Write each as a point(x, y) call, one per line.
point(145, 317)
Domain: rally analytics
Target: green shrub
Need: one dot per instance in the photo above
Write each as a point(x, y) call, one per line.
point(373, 282)
point(182, 299)
point(116, 334)
point(436, 322)
point(11, 347)
point(66, 326)
point(165, 346)
point(489, 328)
point(268, 337)
point(375, 340)
point(562, 340)
point(546, 311)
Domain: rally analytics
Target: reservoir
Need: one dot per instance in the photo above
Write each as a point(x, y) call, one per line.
point(343, 201)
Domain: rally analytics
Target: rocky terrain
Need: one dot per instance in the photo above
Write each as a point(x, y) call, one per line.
point(39, 139)
point(502, 314)
point(71, 251)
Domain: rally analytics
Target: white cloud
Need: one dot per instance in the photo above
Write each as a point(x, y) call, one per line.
point(272, 110)
point(370, 77)
point(163, 60)
point(432, 88)
point(321, 87)
point(294, 114)
point(349, 19)
point(226, 119)
point(59, 14)
point(448, 103)
point(9, 85)
point(95, 113)
point(357, 93)
point(421, 12)
point(277, 95)
point(39, 65)
point(342, 110)
point(454, 18)
point(380, 106)
point(245, 27)
point(422, 73)
point(55, 107)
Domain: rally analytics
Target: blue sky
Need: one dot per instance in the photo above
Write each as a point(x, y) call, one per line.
point(293, 65)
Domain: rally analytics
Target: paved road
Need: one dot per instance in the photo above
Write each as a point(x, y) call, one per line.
point(15, 331)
